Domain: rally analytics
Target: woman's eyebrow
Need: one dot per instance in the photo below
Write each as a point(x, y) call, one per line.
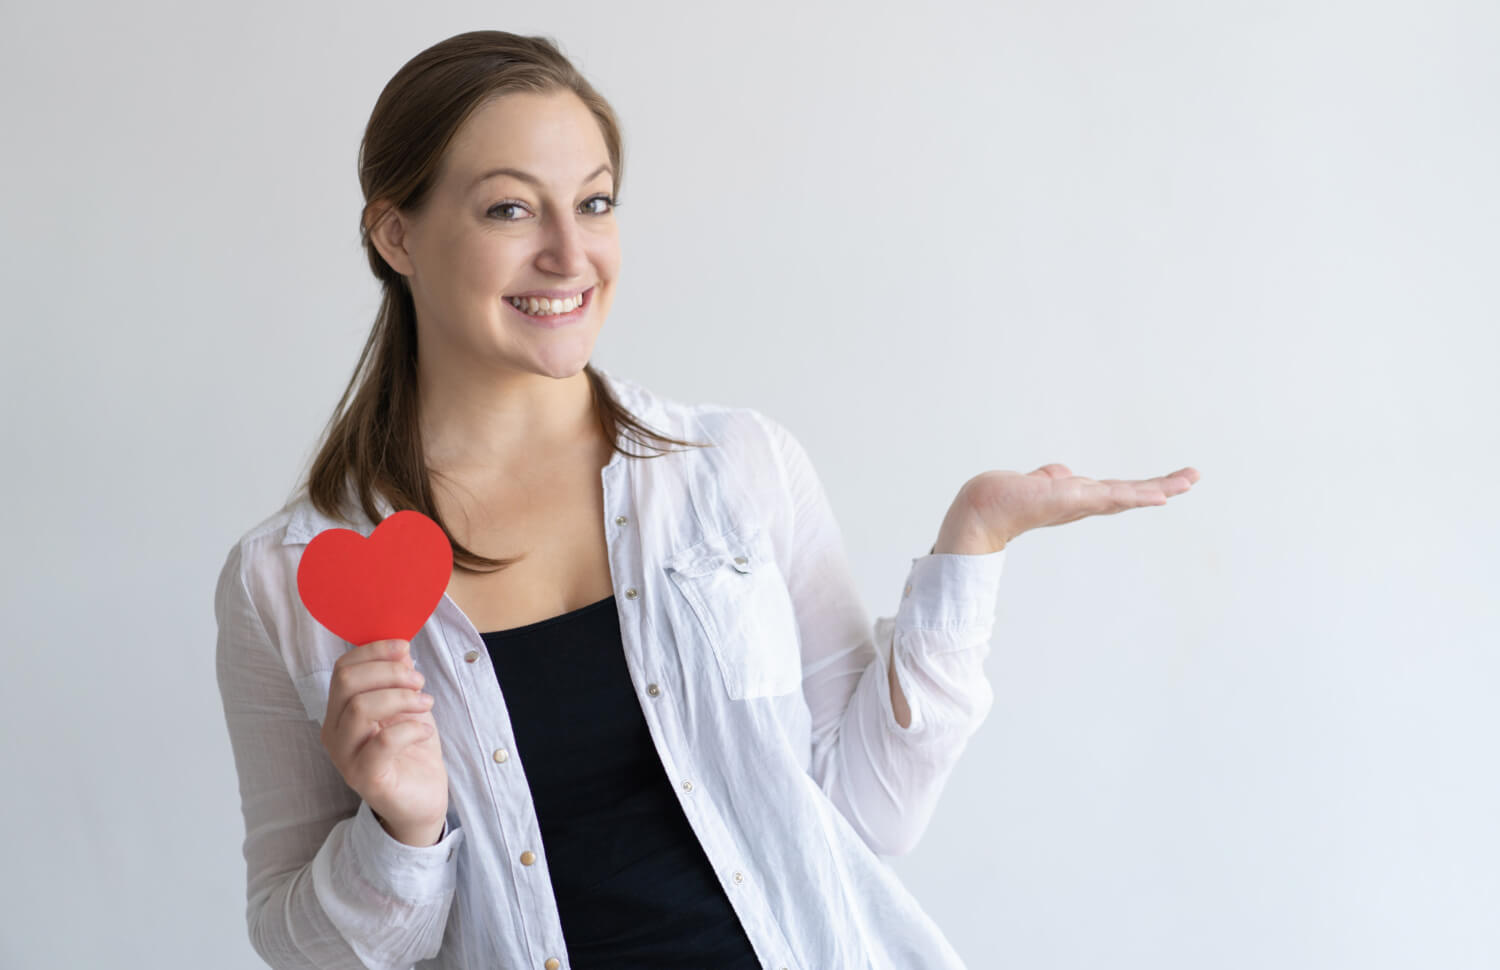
point(527, 177)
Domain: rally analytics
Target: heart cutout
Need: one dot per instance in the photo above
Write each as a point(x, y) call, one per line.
point(381, 588)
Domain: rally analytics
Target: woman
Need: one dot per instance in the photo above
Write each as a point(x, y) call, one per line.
point(717, 745)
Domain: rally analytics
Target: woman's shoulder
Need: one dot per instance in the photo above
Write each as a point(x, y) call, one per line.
point(272, 528)
point(739, 431)
point(266, 555)
point(295, 523)
point(256, 566)
point(257, 598)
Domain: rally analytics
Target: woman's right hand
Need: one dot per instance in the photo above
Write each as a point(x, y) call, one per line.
point(382, 738)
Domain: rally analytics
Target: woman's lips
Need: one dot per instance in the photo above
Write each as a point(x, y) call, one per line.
point(558, 319)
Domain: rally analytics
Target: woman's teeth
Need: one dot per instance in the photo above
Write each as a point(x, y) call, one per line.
point(545, 308)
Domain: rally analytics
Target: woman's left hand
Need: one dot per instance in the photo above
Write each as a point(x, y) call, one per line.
point(994, 507)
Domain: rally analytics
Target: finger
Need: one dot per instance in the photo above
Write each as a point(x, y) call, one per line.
point(372, 707)
point(393, 736)
point(1173, 484)
point(423, 716)
point(1053, 470)
point(376, 650)
point(370, 712)
point(372, 675)
point(351, 680)
point(1114, 495)
point(1182, 479)
point(385, 723)
point(360, 730)
point(1165, 486)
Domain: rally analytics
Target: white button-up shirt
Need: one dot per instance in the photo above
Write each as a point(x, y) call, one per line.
point(762, 682)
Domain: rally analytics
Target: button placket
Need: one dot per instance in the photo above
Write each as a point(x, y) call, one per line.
point(630, 594)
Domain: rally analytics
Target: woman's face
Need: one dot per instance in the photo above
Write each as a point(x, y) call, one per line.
point(483, 238)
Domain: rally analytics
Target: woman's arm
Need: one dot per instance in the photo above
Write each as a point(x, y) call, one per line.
point(327, 887)
point(883, 772)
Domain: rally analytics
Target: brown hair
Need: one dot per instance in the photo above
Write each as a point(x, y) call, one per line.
point(373, 441)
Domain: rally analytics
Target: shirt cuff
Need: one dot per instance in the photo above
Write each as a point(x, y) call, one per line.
point(951, 591)
point(405, 871)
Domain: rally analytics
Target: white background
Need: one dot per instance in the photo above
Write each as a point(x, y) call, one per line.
point(1252, 728)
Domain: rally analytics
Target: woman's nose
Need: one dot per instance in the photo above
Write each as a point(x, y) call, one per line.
point(563, 247)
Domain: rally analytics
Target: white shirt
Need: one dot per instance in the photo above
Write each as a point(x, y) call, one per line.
point(762, 682)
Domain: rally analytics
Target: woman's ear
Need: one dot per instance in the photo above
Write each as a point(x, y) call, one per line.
point(388, 235)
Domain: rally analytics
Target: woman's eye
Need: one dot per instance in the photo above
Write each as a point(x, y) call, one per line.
point(602, 198)
point(500, 206)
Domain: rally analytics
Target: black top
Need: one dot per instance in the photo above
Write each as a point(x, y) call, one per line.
point(634, 888)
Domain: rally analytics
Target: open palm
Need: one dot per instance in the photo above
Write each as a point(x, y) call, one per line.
point(1004, 504)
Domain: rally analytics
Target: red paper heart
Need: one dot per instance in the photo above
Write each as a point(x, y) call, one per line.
point(381, 588)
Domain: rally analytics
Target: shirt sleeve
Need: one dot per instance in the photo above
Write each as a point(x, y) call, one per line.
point(327, 887)
point(883, 778)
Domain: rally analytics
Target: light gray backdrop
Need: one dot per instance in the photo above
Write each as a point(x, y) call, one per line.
point(1252, 728)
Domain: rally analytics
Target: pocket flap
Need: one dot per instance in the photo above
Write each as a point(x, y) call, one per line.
point(739, 548)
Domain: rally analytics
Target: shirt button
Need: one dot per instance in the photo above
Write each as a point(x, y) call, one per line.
point(630, 593)
point(652, 689)
point(620, 520)
point(908, 590)
point(740, 560)
point(552, 963)
point(450, 854)
point(687, 786)
point(501, 755)
point(739, 877)
point(471, 656)
point(528, 857)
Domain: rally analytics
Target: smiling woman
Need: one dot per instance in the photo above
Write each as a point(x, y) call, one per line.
point(717, 744)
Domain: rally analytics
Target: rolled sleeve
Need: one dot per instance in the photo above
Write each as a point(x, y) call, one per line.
point(951, 595)
point(399, 870)
point(938, 642)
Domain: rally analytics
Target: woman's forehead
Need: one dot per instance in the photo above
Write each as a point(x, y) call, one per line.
point(551, 137)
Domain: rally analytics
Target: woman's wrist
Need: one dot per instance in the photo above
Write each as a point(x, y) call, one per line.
point(421, 837)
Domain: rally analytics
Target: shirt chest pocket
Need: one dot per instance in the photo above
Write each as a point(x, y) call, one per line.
point(733, 589)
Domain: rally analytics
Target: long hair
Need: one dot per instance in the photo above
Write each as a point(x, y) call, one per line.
point(372, 445)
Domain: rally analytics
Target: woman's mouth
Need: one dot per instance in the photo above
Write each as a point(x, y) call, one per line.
point(552, 313)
